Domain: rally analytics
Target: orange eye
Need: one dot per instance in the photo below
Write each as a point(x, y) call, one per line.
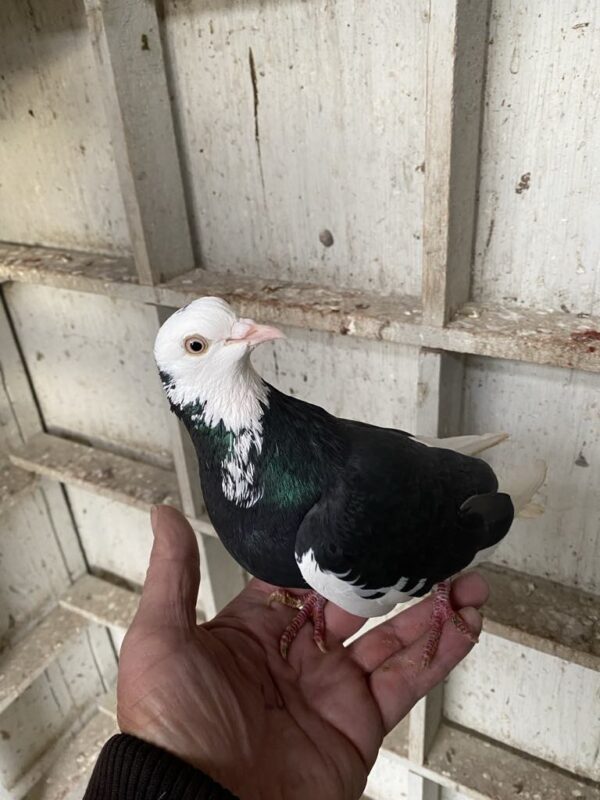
point(196, 345)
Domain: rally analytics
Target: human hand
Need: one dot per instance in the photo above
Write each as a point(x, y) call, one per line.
point(220, 696)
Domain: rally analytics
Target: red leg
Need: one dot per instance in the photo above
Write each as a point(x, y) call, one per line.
point(311, 607)
point(442, 612)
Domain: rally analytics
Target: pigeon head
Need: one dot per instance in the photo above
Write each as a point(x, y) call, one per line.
point(203, 354)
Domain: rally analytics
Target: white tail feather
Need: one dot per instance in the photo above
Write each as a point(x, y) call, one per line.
point(522, 484)
point(467, 445)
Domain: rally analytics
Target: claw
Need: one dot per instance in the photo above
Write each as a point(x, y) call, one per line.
point(442, 612)
point(311, 607)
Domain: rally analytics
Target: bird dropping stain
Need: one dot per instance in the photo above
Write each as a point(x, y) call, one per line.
point(523, 184)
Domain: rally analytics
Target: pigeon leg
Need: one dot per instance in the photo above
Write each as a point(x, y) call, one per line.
point(442, 612)
point(310, 607)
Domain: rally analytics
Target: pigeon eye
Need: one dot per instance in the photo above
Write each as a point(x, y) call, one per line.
point(196, 345)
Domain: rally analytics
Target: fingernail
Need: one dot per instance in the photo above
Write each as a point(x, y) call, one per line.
point(473, 619)
point(153, 517)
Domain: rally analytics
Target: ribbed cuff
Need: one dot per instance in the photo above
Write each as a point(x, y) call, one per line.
point(130, 769)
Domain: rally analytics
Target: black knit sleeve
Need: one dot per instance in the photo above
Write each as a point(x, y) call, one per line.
point(130, 769)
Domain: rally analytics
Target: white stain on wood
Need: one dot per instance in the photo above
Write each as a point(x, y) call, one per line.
point(538, 240)
point(302, 133)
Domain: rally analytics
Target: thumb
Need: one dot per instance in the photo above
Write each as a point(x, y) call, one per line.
point(173, 578)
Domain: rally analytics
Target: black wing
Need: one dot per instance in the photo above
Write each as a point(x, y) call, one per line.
point(399, 513)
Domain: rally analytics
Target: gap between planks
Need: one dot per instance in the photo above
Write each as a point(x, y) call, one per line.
point(538, 613)
point(536, 336)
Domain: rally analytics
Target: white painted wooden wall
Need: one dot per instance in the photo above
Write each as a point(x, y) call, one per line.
point(291, 124)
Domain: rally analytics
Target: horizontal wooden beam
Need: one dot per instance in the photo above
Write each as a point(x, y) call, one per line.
point(536, 336)
point(124, 480)
point(535, 612)
point(21, 664)
point(466, 762)
point(68, 776)
point(543, 615)
point(101, 602)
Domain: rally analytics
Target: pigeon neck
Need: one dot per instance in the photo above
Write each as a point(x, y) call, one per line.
point(234, 400)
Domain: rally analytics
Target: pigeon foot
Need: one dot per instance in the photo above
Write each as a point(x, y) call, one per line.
point(311, 607)
point(442, 612)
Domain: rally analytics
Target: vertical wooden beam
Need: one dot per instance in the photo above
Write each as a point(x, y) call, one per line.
point(439, 402)
point(456, 59)
point(439, 393)
point(129, 57)
point(419, 788)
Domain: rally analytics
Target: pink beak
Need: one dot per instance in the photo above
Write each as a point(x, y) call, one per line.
point(246, 330)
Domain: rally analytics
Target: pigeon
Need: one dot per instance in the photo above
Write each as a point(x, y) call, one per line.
point(362, 516)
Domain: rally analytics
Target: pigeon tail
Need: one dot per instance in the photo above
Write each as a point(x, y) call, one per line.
point(522, 484)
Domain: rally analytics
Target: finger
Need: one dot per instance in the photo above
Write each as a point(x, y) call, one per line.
point(339, 624)
point(378, 644)
point(401, 681)
point(173, 577)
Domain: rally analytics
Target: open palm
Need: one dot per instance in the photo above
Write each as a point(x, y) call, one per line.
point(220, 696)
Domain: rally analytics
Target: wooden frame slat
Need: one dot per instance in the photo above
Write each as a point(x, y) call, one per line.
point(456, 54)
point(485, 770)
point(536, 336)
point(127, 45)
point(21, 664)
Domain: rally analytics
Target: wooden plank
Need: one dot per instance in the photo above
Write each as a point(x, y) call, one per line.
point(543, 615)
point(456, 46)
point(538, 239)
point(102, 602)
point(532, 702)
point(305, 163)
point(537, 336)
point(438, 413)
point(59, 182)
point(127, 45)
point(103, 473)
point(439, 393)
point(485, 770)
point(25, 786)
point(68, 777)
point(420, 788)
point(122, 479)
point(20, 665)
point(14, 484)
